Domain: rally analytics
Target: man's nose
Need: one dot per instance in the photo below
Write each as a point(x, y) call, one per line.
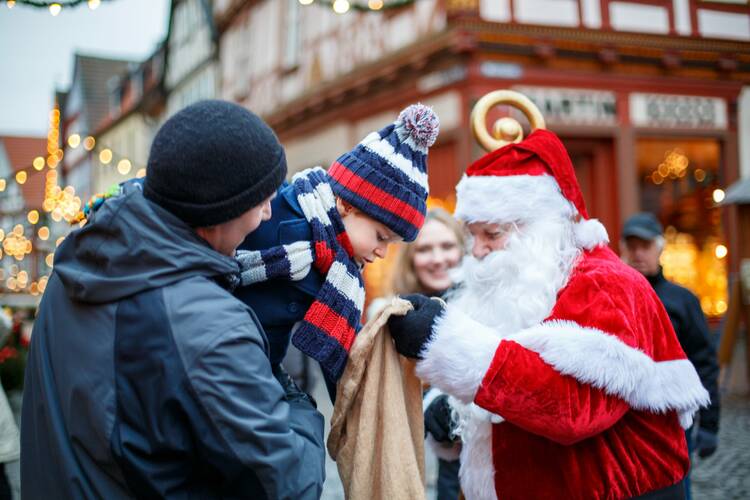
point(479, 250)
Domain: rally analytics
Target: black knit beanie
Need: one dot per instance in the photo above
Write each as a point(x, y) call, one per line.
point(212, 162)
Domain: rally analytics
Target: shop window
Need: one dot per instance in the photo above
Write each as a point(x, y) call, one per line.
point(679, 180)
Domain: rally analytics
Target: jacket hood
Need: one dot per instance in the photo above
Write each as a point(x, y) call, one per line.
point(131, 245)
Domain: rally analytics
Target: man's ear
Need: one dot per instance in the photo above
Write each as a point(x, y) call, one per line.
point(343, 207)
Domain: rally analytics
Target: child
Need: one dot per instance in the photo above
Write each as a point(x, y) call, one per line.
point(301, 270)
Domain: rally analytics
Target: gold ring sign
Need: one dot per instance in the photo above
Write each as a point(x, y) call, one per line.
point(505, 130)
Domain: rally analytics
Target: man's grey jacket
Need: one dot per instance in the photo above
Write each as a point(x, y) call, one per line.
point(146, 378)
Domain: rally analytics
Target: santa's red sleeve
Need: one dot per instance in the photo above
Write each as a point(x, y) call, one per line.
point(529, 393)
point(607, 347)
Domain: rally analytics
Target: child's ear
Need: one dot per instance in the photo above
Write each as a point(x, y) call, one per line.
point(343, 207)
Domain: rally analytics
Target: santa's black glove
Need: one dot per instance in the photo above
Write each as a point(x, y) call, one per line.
point(706, 442)
point(411, 331)
point(438, 420)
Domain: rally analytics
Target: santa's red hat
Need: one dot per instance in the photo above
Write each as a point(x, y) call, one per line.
point(525, 182)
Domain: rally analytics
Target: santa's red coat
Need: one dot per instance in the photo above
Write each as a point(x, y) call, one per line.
point(587, 404)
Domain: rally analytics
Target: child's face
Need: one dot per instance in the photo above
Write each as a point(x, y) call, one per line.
point(369, 238)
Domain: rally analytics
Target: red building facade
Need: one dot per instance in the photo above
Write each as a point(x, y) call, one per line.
point(646, 95)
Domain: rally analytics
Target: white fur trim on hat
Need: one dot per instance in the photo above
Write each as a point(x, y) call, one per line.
point(487, 198)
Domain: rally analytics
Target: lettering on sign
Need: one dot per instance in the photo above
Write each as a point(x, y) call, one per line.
point(677, 111)
point(442, 78)
point(492, 69)
point(568, 106)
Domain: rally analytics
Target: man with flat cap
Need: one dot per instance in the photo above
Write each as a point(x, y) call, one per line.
point(642, 245)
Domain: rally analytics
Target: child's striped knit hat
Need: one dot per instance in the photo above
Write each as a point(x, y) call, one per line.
point(385, 176)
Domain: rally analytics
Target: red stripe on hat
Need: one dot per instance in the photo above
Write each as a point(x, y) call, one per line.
point(375, 195)
point(331, 322)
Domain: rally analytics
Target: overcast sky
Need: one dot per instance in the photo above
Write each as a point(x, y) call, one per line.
point(36, 51)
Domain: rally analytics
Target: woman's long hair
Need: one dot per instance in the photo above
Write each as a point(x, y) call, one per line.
point(404, 278)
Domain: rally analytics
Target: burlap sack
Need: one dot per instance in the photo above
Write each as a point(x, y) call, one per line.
point(377, 428)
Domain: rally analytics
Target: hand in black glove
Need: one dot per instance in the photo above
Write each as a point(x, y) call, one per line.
point(706, 442)
point(411, 331)
point(438, 420)
point(291, 391)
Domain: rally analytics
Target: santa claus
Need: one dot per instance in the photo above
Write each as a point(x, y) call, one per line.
point(565, 375)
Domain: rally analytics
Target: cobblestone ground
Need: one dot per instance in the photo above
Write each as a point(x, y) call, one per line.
point(726, 474)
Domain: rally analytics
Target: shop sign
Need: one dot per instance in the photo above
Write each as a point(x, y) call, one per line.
point(566, 106)
point(503, 71)
point(442, 78)
point(677, 111)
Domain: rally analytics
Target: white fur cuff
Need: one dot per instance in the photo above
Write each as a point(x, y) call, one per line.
point(595, 357)
point(458, 355)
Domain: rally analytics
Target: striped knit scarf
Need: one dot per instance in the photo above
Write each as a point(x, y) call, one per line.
point(328, 329)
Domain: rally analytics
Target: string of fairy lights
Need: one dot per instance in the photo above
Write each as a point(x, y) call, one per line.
point(61, 204)
point(343, 6)
point(55, 8)
point(338, 6)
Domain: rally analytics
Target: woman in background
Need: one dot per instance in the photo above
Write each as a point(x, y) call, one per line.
point(423, 266)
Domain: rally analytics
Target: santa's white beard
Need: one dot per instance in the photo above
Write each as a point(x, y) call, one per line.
point(516, 287)
point(508, 290)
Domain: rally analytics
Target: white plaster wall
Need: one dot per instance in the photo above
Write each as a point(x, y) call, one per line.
point(729, 25)
point(682, 16)
point(549, 12)
point(592, 13)
point(448, 108)
point(639, 17)
point(318, 148)
point(743, 132)
point(495, 10)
